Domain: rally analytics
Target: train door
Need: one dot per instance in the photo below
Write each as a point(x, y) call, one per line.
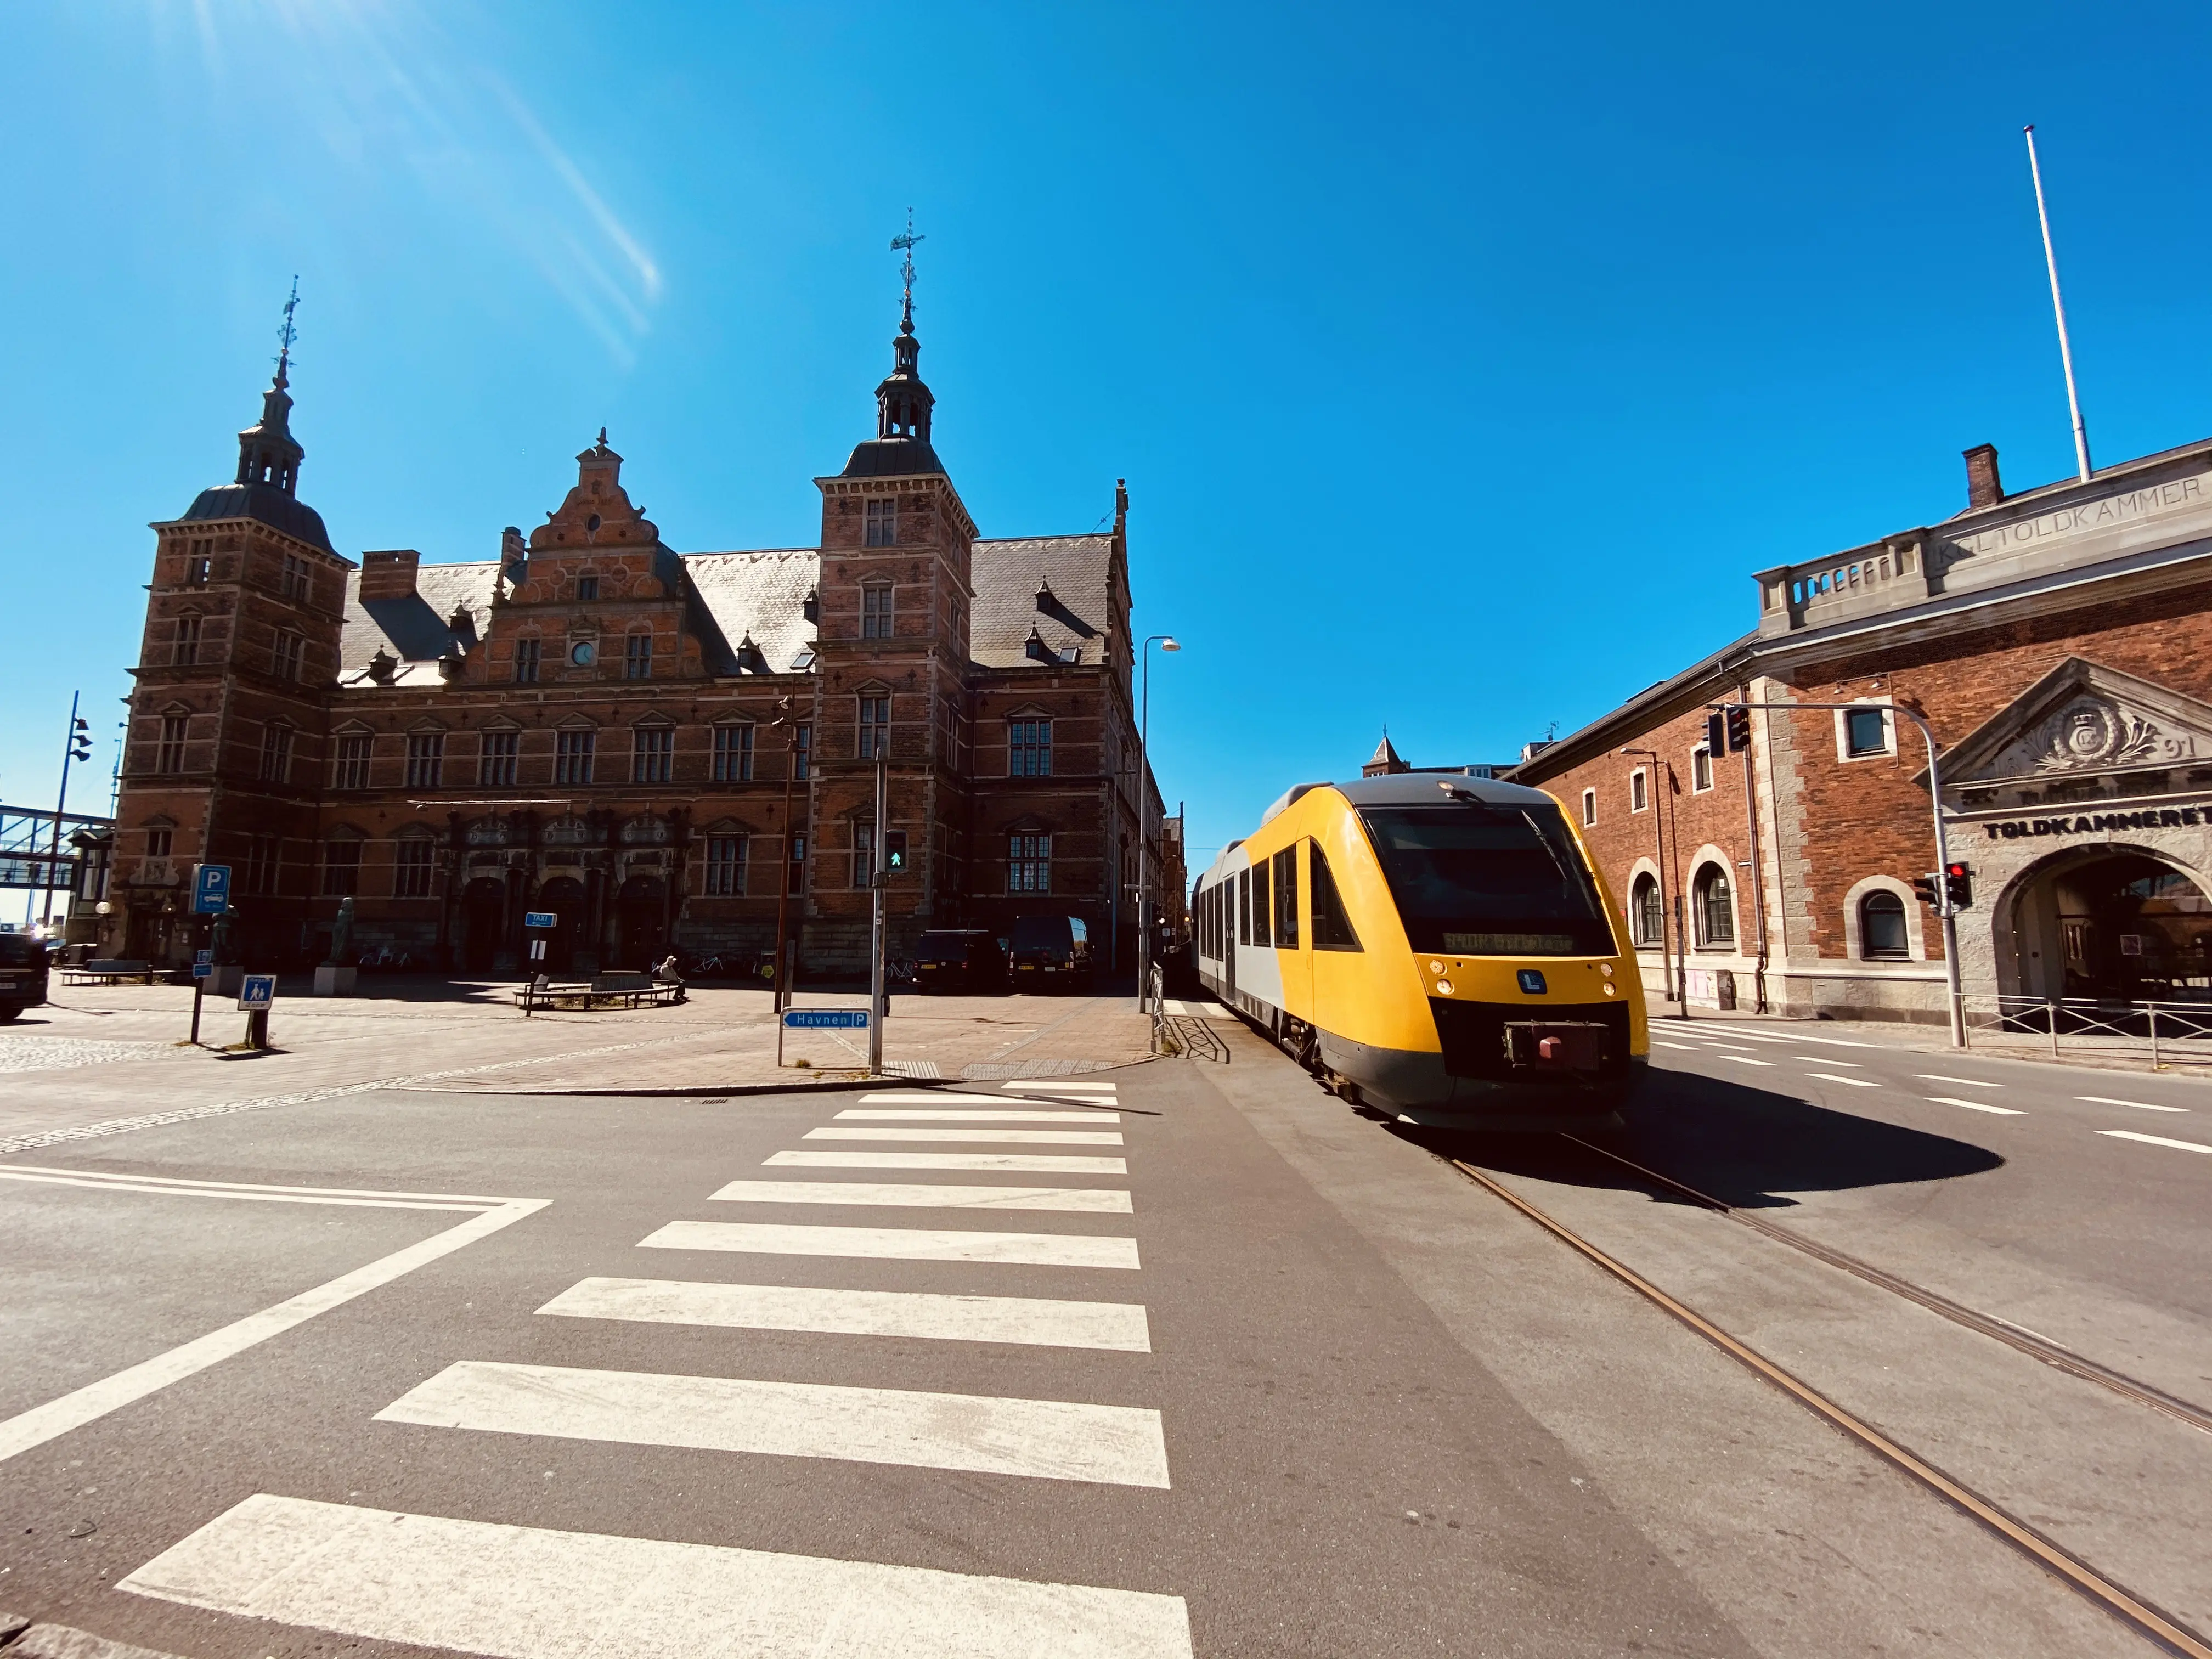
point(1230, 914)
point(1293, 950)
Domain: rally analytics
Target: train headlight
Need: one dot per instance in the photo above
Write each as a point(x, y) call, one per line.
point(1605, 969)
point(1611, 990)
point(1443, 988)
point(1436, 967)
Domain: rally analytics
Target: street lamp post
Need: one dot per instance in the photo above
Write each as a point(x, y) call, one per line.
point(1945, 910)
point(1166, 642)
point(79, 747)
point(1660, 781)
point(780, 984)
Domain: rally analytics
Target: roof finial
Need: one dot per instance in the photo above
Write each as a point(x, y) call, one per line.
point(603, 437)
point(904, 245)
point(287, 334)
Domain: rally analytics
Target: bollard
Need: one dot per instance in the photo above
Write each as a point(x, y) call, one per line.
point(2050, 1017)
point(2153, 1036)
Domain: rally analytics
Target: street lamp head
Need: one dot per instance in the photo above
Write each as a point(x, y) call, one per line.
point(1170, 645)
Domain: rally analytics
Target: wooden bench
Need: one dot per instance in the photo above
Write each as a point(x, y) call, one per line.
point(605, 991)
point(113, 971)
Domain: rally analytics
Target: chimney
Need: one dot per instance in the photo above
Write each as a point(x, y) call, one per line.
point(389, 575)
point(1984, 489)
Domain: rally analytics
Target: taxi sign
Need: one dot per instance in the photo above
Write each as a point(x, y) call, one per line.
point(825, 1019)
point(540, 919)
point(257, 990)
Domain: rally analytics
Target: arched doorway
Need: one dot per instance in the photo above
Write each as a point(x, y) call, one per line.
point(640, 911)
point(484, 920)
point(564, 896)
point(2111, 925)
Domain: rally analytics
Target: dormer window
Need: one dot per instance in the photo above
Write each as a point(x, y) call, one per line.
point(588, 587)
point(882, 521)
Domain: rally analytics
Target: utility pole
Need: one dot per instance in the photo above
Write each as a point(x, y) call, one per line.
point(2058, 309)
point(79, 747)
point(877, 879)
point(780, 986)
point(1166, 642)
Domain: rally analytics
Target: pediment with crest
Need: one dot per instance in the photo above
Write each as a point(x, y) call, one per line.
point(2083, 719)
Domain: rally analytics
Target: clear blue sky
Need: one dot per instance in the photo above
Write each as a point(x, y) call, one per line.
point(1462, 361)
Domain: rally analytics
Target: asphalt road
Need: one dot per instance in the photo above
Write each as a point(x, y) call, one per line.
point(1311, 1392)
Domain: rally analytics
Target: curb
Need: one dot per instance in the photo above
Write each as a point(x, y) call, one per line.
point(828, 1086)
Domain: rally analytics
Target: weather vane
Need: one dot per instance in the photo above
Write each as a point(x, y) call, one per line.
point(287, 334)
point(904, 244)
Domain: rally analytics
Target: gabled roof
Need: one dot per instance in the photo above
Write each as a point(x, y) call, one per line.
point(264, 503)
point(1008, 576)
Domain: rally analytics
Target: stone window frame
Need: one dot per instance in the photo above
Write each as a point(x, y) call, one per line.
point(1589, 809)
point(529, 658)
point(1712, 858)
point(1916, 937)
point(734, 742)
point(276, 736)
point(575, 753)
point(879, 609)
point(185, 640)
point(726, 876)
point(290, 654)
point(415, 863)
point(171, 735)
point(349, 770)
point(1645, 869)
point(341, 877)
point(1844, 755)
point(1640, 789)
point(868, 734)
point(1029, 745)
point(879, 517)
point(1700, 751)
point(652, 751)
point(295, 578)
point(426, 757)
point(499, 757)
point(1029, 860)
point(637, 654)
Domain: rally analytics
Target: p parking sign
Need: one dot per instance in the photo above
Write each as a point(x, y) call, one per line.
point(825, 1019)
point(211, 889)
point(257, 992)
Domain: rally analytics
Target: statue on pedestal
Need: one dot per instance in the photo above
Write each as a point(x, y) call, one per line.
point(341, 954)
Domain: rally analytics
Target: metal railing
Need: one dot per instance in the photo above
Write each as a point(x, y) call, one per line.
point(2166, 1033)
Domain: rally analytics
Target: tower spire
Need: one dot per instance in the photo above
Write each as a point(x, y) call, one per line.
point(287, 334)
point(267, 452)
point(903, 246)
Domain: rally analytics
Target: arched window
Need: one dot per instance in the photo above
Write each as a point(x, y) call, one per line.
point(1882, 937)
point(1647, 916)
point(1711, 900)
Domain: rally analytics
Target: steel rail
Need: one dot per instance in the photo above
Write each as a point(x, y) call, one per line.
point(2145, 1618)
point(2056, 1355)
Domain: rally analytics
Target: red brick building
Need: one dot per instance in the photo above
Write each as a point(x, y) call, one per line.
point(655, 746)
point(2059, 644)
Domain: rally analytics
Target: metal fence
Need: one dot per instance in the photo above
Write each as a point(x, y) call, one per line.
point(2164, 1033)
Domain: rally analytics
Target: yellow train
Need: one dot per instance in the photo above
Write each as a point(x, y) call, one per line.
point(1440, 948)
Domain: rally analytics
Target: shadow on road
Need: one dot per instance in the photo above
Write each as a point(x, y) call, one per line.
point(1749, 1147)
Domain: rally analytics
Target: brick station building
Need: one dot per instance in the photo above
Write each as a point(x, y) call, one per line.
point(655, 746)
point(2058, 641)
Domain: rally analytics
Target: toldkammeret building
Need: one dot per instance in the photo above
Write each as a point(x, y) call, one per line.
point(656, 747)
point(2058, 641)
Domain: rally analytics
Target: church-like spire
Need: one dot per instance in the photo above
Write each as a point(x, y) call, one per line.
point(267, 452)
point(903, 402)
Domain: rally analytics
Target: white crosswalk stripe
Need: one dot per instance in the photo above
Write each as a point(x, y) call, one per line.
point(977, 1132)
point(897, 1243)
point(975, 1163)
point(524, 1592)
point(1048, 1439)
point(1033, 1321)
point(897, 1115)
point(916, 1194)
point(1083, 1105)
point(1056, 1086)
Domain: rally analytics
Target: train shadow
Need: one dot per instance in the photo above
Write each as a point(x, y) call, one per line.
point(1749, 1147)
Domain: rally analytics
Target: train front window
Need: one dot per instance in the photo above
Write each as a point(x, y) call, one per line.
point(1481, 880)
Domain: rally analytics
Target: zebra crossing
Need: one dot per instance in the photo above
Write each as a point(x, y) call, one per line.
point(452, 1581)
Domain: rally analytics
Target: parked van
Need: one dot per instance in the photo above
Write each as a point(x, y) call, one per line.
point(959, 959)
point(23, 974)
point(1052, 951)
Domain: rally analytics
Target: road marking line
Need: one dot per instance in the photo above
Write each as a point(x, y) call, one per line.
point(275, 1196)
point(920, 1196)
point(2139, 1105)
point(1822, 1059)
point(1685, 1047)
point(1855, 1082)
point(1969, 1081)
point(897, 1243)
point(1039, 1323)
point(1008, 1163)
point(2154, 1140)
point(923, 1116)
point(998, 1136)
point(1044, 1439)
point(1054, 1085)
point(474, 1200)
point(523, 1592)
point(1746, 1060)
point(1825, 1042)
point(95, 1400)
point(1975, 1106)
point(971, 1097)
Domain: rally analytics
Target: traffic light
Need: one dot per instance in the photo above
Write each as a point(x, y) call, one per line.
point(81, 739)
point(1738, 728)
point(1716, 734)
point(1925, 887)
point(894, 850)
point(1959, 885)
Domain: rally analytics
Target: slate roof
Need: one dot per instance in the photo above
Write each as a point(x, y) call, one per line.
point(265, 503)
point(891, 457)
point(1008, 574)
point(762, 595)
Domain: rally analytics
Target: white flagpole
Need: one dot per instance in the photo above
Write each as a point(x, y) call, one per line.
point(2058, 307)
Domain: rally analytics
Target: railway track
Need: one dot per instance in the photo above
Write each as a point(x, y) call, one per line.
point(2143, 1616)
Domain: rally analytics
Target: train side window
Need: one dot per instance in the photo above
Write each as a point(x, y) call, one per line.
point(1286, 897)
point(1261, 908)
point(1332, 928)
point(1244, 907)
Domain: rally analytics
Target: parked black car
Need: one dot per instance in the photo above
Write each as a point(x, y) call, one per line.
point(959, 959)
point(23, 974)
point(1052, 952)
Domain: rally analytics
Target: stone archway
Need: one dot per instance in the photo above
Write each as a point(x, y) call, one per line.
point(2114, 924)
point(483, 924)
point(640, 906)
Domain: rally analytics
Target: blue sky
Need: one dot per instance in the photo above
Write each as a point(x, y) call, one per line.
point(1463, 362)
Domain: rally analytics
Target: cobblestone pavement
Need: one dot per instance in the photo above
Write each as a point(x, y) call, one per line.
point(98, 1059)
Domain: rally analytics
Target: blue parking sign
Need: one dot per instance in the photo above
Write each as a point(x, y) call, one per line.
point(259, 991)
point(825, 1019)
point(211, 889)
